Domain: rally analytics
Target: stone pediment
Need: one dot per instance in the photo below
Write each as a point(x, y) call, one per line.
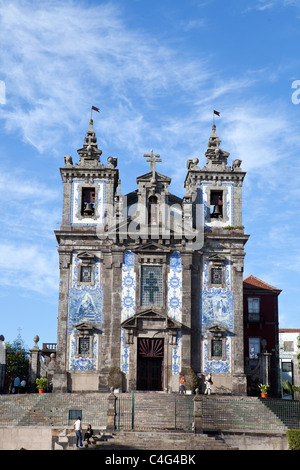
point(217, 330)
point(85, 255)
point(148, 176)
point(217, 258)
point(85, 326)
point(150, 247)
point(158, 320)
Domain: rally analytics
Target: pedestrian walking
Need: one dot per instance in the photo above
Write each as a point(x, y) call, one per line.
point(182, 386)
point(208, 383)
point(23, 386)
point(17, 384)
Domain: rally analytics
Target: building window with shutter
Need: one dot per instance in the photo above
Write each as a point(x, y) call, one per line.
point(253, 309)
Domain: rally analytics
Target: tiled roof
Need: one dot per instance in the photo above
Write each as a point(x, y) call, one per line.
point(289, 330)
point(252, 282)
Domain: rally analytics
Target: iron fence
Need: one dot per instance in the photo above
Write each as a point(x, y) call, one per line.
point(183, 412)
point(125, 412)
point(227, 413)
point(52, 410)
point(275, 415)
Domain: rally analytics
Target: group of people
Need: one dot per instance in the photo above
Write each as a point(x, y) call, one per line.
point(19, 386)
point(78, 433)
point(207, 381)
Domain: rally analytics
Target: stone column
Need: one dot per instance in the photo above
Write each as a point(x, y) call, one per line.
point(264, 373)
point(111, 413)
point(34, 364)
point(239, 381)
point(60, 376)
point(116, 298)
point(187, 259)
point(198, 414)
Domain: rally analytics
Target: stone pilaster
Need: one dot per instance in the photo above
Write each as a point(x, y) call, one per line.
point(187, 260)
point(60, 377)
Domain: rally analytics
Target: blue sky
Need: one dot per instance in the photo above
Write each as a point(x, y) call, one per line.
point(157, 69)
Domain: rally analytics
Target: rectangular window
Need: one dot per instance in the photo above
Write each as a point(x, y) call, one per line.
point(73, 415)
point(86, 274)
point(253, 309)
point(254, 349)
point(216, 348)
point(286, 367)
point(216, 204)
point(84, 346)
point(88, 202)
point(151, 286)
point(253, 305)
point(216, 275)
point(288, 346)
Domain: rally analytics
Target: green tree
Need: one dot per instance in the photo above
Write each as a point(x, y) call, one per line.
point(17, 361)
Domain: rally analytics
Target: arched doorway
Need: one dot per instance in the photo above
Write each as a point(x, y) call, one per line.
point(150, 364)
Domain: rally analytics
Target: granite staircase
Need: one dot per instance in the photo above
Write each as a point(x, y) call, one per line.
point(155, 410)
point(156, 440)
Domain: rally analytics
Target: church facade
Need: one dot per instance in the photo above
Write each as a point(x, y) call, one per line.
point(150, 282)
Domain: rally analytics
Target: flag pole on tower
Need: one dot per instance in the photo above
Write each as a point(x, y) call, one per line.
point(217, 113)
point(95, 109)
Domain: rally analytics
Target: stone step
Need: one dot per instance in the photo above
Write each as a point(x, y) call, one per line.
point(157, 440)
point(154, 411)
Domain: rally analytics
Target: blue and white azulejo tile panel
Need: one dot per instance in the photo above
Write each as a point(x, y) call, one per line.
point(216, 308)
point(175, 287)
point(124, 354)
point(128, 303)
point(85, 305)
point(176, 355)
point(128, 286)
point(175, 304)
point(84, 364)
point(218, 366)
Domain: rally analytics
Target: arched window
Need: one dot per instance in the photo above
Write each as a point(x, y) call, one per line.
point(153, 210)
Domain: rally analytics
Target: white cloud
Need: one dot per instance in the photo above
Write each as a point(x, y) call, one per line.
point(32, 209)
point(60, 58)
point(28, 268)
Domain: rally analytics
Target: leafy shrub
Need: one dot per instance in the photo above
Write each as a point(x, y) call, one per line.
point(115, 378)
point(293, 437)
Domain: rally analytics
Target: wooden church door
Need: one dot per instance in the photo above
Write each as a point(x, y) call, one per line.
point(150, 364)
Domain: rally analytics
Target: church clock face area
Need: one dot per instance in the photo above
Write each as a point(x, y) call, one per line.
point(150, 282)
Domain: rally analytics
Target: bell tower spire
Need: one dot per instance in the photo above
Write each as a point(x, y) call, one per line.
point(216, 158)
point(89, 154)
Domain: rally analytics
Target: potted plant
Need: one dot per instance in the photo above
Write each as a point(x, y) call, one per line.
point(115, 379)
point(191, 381)
point(264, 390)
point(41, 385)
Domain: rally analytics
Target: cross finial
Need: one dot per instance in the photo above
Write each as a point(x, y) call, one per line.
point(152, 159)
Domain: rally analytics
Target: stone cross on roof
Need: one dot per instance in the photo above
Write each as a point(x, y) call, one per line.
point(152, 159)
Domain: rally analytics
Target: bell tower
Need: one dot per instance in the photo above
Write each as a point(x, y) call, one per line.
point(217, 189)
point(89, 187)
